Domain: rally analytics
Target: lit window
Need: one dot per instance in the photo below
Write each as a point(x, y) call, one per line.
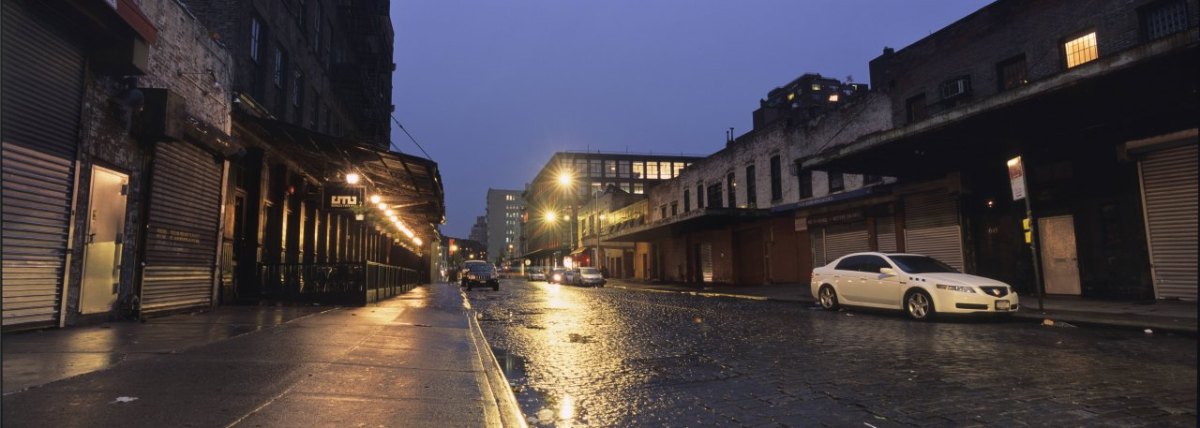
point(1081, 50)
point(816, 87)
point(791, 96)
point(833, 98)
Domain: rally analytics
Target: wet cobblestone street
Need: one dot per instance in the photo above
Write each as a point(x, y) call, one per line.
point(608, 357)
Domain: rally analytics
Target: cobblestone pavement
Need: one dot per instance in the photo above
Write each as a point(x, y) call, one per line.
point(606, 357)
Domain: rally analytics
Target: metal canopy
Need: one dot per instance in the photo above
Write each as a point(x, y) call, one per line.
point(410, 184)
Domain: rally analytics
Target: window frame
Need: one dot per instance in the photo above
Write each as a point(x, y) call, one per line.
point(776, 178)
point(751, 187)
point(1066, 55)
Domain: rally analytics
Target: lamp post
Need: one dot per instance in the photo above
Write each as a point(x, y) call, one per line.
point(566, 180)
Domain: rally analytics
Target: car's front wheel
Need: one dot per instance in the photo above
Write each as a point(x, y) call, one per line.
point(918, 306)
point(827, 297)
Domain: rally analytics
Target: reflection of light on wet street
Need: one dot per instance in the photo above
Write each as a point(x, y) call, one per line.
point(566, 408)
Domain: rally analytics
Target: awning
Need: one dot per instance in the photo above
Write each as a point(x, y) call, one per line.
point(542, 253)
point(699, 219)
point(581, 250)
point(410, 184)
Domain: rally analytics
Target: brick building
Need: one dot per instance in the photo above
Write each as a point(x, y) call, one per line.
point(1097, 98)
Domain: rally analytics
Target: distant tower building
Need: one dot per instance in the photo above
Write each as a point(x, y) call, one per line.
point(503, 223)
point(479, 231)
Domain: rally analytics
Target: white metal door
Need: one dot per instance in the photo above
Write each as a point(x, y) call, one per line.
point(103, 243)
point(1059, 259)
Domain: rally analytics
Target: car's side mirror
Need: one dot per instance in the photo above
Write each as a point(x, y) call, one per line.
point(886, 272)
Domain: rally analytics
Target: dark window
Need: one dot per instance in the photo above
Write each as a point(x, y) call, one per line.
point(872, 264)
point(837, 182)
point(806, 184)
point(730, 190)
point(674, 208)
point(915, 108)
point(663, 210)
point(256, 39)
point(776, 179)
point(1012, 73)
point(298, 93)
point(851, 263)
point(958, 86)
point(279, 77)
point(751, 191)
point(1163, 18)
point(317, 32)
point(699, 196)
point(595, 168)
point(687, 200)
point(871, 179)
point(714, 195)
point(302, 16)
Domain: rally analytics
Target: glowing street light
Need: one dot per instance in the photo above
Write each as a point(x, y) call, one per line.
point(550, 216)
point(352, 178)
point(375, 199)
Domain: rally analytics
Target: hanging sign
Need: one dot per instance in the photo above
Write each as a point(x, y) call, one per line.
point(343, 197)
point(1016, 178)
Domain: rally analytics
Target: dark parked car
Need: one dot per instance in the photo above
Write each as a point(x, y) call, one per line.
point(481, 275)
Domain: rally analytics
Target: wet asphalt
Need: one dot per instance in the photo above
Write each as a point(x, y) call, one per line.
point(607, 357)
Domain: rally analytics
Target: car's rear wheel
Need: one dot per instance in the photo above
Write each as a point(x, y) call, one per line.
point(827, 297)
point(919, 306)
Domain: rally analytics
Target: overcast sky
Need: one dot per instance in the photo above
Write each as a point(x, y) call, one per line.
point(491, 88)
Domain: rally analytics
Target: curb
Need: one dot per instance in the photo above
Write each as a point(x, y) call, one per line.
point(1080, 319)
point(506, 400)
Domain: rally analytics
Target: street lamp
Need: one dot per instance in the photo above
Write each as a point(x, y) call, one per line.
point(566, 181)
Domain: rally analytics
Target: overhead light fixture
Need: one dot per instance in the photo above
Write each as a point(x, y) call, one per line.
point(375, 199)
point(352, 178)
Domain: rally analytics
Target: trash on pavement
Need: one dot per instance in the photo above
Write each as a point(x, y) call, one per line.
point(123, 399)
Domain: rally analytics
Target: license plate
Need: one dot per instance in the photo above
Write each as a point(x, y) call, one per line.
point(1002, 305)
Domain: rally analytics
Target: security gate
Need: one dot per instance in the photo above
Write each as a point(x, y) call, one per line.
point(42, 89)
point(1169, 186)
point(181, 241)
point(931, 228)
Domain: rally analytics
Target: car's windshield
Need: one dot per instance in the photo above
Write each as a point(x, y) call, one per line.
point(589, 271)
point(921, 264)
point(480, 267)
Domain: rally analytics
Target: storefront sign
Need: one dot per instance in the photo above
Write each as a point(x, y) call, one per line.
point(801, 224)
point(336, 198)
point(1016, 178)
point(835, 218)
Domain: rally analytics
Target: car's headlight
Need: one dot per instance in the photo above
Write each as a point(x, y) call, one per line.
point(471, 277)
point(958, 288)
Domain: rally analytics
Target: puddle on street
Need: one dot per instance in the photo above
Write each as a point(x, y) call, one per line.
point(540, 409)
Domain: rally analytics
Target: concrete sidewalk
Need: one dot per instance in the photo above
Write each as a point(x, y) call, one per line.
point(415, 360)
point(1164, 315)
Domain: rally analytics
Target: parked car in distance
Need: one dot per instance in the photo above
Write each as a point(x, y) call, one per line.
point(535, 274)
point(588, 276)
point(919, 285)
point(556, 276)
point(482, 275)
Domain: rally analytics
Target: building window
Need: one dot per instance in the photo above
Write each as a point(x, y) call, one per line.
point(915, 108)
point(626, 187)
point(317, 31)
point(674, 208)
point(623, 169)
point(638, 188)
point(714, 195)
point(960, 85)
point(837, 182)
point(678, 168)
point(298, 90)
point(639, 170)
point(1163, 19)
point(730, 190)
point(302, 17)
point(280, 67)
point(776, 179)
point(1081, 50)
point(662, 211)
point(1012, 73)
point(581, 167)
point(687, 200)
point(751, 188)
point(610, 168)
point(595, 168)
point(256, 39)
point(652, 170)
point(699, 195)
point(664, 170)
point(806, 186)
point(871, 179)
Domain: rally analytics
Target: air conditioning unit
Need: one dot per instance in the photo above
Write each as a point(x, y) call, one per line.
point(956, 87)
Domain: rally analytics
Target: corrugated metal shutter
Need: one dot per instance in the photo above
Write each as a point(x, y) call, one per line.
point(181, 240)
point(706, 264)
point(1169, 184)
point(931, 228)
point(885, 234)
point(42, 87)
point(843, 239)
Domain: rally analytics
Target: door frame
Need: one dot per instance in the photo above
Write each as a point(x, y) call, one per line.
point(88, 229)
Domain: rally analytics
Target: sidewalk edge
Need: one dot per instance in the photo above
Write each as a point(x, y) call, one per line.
point(506, 400)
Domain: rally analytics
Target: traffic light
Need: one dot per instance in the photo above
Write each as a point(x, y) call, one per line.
point(1028, 232)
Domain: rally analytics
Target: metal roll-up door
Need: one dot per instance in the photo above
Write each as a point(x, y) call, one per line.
point(843, 239)
point(816, 240)
point(42, 87)
point(931, 228)
point(1169, 186)
point(885, 234)
point(181, 238)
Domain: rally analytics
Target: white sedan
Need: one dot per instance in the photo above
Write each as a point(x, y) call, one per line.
point(919, 285)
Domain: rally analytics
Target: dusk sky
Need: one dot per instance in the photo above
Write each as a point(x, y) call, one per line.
point(492, 88)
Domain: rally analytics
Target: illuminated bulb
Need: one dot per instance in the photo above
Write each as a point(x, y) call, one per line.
point(375, 199)
point(382, 207)
point(352, 178)
point(417, 241)
point(389, 212)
